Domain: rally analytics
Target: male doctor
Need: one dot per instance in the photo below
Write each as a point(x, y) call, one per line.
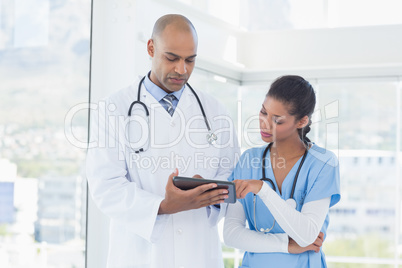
point(152, 222)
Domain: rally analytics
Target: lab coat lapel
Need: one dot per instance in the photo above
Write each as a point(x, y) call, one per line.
point(153, 105)
point(187, 101)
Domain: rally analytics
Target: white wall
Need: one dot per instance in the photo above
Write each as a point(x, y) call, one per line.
point(316, 48)
point(213, 34)
point(322, 53)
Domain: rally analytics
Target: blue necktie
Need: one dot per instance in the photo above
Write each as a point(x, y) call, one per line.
point(168, 99)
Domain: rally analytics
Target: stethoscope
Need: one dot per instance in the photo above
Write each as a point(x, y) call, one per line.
point(211, 137)
point(291, 201)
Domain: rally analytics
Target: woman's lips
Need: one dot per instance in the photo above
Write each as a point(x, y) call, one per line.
point(265, 134)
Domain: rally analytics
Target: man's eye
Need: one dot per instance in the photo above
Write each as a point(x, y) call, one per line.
point(169, 59)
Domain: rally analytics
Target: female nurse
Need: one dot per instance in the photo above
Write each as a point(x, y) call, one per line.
point(285, 227)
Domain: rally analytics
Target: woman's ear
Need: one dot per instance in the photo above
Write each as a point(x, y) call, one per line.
point(303, 122)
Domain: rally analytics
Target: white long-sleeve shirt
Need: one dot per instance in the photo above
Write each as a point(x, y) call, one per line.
point(303, 227)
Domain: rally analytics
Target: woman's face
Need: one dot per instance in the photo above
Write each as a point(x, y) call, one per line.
point(276, 124)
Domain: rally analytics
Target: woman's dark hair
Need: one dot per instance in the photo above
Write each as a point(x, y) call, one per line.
point(299, 95)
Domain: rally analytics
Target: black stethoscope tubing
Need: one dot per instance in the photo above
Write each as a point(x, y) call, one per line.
point(138, 101)
point(264, 178)
point(211, 137)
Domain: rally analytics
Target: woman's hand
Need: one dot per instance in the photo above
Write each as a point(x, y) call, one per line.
point(294, 248)
point(243, 187)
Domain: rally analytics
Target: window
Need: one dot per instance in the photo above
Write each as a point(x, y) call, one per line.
point(44, 72)
point(358, 120)
point(368, 110)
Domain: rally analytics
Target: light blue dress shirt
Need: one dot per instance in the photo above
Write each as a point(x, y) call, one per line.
point(159, 93)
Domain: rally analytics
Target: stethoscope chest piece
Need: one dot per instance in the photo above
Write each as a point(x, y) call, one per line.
point(211, 138)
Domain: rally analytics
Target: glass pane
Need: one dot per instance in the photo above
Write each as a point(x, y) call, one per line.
point(400, 164)
point(252, 98)
point(357, 265)
point(366, 113)
point(44, 74)
point(307, 14)
point(342, 13)
point(220, 88)
point(363, 116)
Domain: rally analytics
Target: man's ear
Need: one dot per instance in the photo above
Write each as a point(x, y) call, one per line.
point(303, 122)
point(151, 48)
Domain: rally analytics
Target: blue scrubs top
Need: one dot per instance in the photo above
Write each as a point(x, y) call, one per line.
point(318, 179)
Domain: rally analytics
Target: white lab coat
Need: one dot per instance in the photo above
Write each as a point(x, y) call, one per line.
point(129, 187)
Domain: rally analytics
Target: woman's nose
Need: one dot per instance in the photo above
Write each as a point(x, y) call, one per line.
point(264, 123)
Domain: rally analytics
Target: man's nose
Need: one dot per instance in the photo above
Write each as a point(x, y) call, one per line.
point(181, 67)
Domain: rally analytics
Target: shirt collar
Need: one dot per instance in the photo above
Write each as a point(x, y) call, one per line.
point(157, 92)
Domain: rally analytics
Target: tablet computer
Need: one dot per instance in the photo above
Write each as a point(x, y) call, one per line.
point(186, 183)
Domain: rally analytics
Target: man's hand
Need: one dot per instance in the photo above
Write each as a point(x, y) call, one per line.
point(177, 200)
point(294, 248)
point(243, 187)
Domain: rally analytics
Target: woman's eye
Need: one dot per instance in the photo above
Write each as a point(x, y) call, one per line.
point(263, 112)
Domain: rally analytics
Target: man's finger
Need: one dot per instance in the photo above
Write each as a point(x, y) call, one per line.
point(212, 201)
point(170, 179)
point(203, 188)
point(213, 197)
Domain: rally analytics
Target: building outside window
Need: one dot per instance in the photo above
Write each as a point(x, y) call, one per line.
point(44, 72)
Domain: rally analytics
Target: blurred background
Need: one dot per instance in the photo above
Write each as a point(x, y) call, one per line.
point(57, 56)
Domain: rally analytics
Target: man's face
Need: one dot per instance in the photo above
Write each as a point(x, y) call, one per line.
point(173, 57)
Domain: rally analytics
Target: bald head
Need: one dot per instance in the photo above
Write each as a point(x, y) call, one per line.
point(173, 49)
point(176, 21)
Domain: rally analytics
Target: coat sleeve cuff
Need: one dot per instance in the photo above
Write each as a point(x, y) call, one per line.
point(159, 224)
